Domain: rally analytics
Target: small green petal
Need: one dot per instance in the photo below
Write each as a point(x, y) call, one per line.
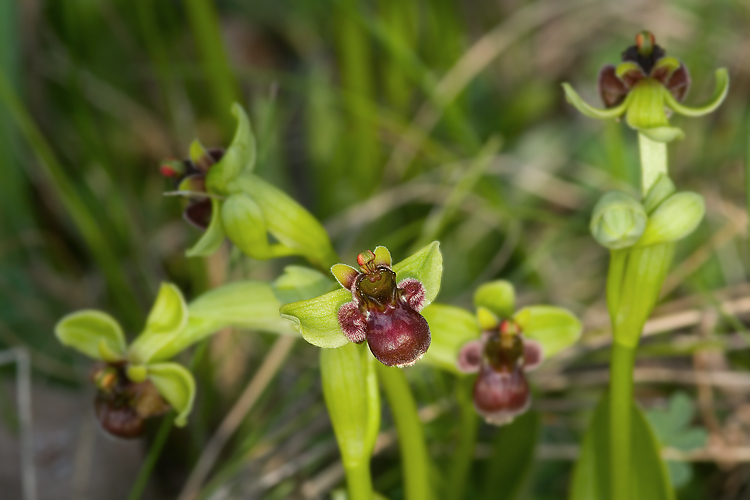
point(671, 63)
point(626, 67)
point(487, 319)
point(720, 92)
point(382, 257)
point(451, 327)
point(345, 275)
point(87, 330)
point(212, 237)
point(587, 110)
point(176, 385)
point(137, 373)
point(554, 328)
point(197, 151)
point(499, 297)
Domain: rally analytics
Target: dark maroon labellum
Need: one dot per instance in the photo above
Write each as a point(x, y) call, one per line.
point(385, 314)
point(121, 405)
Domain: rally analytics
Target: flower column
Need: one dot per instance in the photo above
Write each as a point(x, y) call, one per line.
point(640, 234)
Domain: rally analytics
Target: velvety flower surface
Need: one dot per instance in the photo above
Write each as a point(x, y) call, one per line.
point(383, 312)
point(501, 358)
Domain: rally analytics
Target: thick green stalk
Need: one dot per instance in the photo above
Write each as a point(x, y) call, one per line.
point(634, 281)
point(414, 457)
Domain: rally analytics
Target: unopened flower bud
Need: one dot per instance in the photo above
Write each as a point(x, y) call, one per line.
point(675, 218)
point(618, 220)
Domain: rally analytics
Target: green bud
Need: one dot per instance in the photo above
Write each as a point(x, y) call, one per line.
point(675, 218)
point(618, 220)
point(660, 191)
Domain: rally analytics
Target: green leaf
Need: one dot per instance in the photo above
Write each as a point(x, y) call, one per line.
point(426, 266)
point(239, 157)
point(720, 93)
point(512, 458)
point(451, 327)
point(587, 110)
point(300, 283)
point(317, 319)
point(649, 480)
point(662, 189)
point(288, 222)
point(350, 389)
point(499, 297)
point(176, 385)
point(245, 226)
point(554, 328)
point(94, 333)
point(212, 237)
point(675, 218)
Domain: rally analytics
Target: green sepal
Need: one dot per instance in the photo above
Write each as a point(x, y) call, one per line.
point(675, 218)
point(239, 157)
point(293, 226)
point(451, 327)
point(662, 189)
point(720, 93)
point(591, 475)
point(588, 110)
point(196, 151)
point(646, 108)
point(137, 373)
point(317, 319)
point(176, 385)
point(345, 275)
point(94, 333)
point(426, 266)
point(618, 220)
point(554, 328)
point(499, 297)
point(167, 319)
point(212, 237)
point(351, 393)
point(300, 283)
point(245, 226)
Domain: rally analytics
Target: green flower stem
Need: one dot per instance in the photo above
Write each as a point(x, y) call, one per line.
point(633, 283)
point(153, 455)
point(359, 481)
point(415, 461)
point(464, 452)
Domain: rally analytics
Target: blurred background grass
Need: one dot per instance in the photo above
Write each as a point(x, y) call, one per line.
point(395, 123)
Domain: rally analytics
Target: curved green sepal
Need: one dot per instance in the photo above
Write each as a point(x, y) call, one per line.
point(675, 218)
point(499, 297)
point(350, 388)
point(382, 256)
point(239, 157)
point(137, 373)
point(720, 93)
point(426, 266)
point(212, 237)
point(245, 226)
point(591, 475)
point(554, 328)
point(176, 385)
point(317, 319)
point(618, 220)
point(87, 330)
point(588, 110)
point(451, 327)
point(663, 134)
point(169, 313)
point(662, 189)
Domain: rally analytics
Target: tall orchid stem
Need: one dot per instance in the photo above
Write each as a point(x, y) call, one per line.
point(634, 281)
